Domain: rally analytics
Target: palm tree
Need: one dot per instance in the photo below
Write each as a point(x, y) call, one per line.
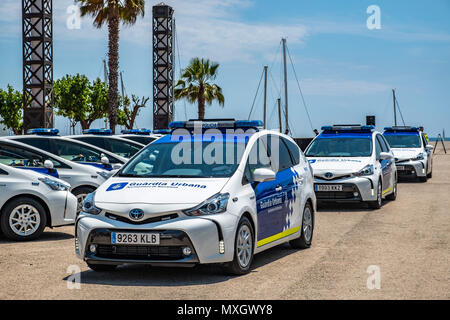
point(112, 12)
point(195, 86)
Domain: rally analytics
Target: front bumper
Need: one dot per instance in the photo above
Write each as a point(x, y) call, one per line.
point(354, 189)
point(202, 236)
point(63, 208)
point(411, 168)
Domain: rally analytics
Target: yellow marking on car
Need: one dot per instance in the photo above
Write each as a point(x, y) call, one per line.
point(277, 236)
point(388, 189)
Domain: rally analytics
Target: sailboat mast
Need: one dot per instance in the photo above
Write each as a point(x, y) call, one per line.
point(395, 108)
point(283, 40)
point(265, 95)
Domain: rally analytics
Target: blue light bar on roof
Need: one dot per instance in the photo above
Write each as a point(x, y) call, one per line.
point(44, 131)
point(102, 132)
point(217, 124)
point(137, 131)
point(401, 128)
point(162, 131)
point(347, 127)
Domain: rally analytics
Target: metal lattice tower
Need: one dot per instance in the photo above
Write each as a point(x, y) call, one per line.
point(37, 33)
point(162, 66)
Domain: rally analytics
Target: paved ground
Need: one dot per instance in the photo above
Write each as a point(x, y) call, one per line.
point(407, 239)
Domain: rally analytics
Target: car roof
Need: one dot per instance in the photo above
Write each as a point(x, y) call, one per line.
point(104, 136)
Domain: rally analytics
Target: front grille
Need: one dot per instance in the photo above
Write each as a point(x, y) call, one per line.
point(408, 171)
point(149, 220)
point(140, 252)
point(334, 178)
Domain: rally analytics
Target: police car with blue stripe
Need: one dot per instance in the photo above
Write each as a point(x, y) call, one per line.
point(212, 191)
point(352, 163)
point(412, 152)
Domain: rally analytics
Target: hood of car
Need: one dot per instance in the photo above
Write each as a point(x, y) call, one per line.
point(337, 167)
point(157, 191)
point(401, 154)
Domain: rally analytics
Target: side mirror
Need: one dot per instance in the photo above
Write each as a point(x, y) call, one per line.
point(104, 160)
point(263, 174)
point(117, 166)
point(385, 156)
point(429, 147)
point(48, 164)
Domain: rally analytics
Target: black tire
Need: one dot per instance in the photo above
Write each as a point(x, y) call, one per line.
point(305, 239)
point(235, 267)
point(101, 267)
point(377, 203)
point(38, 212)
point(393, 195)
point(80, 192)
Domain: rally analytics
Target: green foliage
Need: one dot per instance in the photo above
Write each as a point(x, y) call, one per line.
point(11, 109)
point(127, 115)
point(80, 100)
point(195, 85)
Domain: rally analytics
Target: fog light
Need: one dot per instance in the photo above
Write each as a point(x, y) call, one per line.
point(187, 251)
point(355, 194)
point(221, 247)
point(93, 248)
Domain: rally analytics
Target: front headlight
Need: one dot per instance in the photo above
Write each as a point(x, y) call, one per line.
point(103, 174)
point(55, 185)
point(420, 156)
point(89, 204)
point(366, 171)
point(215, 204)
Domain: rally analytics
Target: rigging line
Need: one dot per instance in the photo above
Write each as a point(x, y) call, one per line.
point(299, 88)
point(289, 122)
point(274, 84)
point(256, 94)
point(399, 110)
point(276, 55)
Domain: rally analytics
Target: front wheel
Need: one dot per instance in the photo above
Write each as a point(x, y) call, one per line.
point(393, 195)
point(377, 203)
point(305, 239)
point(23, 219)
point(243, 248)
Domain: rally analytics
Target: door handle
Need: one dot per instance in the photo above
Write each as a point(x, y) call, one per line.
point(278, 188)
point(2, 185)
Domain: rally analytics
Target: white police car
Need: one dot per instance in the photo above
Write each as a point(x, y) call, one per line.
point(143, 136)
point(412, 152)
point(103, 138)
point(70, 149)
point(83, 179)
point(209, 192)
point(31, 201)
point(352, 163)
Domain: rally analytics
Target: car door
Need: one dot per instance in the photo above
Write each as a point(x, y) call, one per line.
point(386, 164)
point(24, 158)
point(427, 152)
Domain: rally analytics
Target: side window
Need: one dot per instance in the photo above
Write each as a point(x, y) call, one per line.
point(19, 157)
point(377, 149)
point(123, 148)
point(40, 143)
point(279, 153)
point(75, 152)
point(294, 150)
point(424, 141)
point(386, 143)
point(3, 172)
point(96, 141)
point(258, 158)
point(384, 147)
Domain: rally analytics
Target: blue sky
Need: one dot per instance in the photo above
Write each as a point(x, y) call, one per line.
point(346, 71)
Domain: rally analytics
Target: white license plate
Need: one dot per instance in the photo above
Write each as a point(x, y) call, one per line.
point(400, 167)
point(135, 238)
point(328, 187)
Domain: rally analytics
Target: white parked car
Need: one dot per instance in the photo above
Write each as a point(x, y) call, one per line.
point(412, 152)
point(82, 179)
point(31, 201)
point(70, 149)
point(352, 163)
point(103, 138)
point(250, 190)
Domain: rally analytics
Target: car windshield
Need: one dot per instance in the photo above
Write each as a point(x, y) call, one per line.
point(403, 140)
point(340, 147)
point(193, 159)
point(141, 139)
